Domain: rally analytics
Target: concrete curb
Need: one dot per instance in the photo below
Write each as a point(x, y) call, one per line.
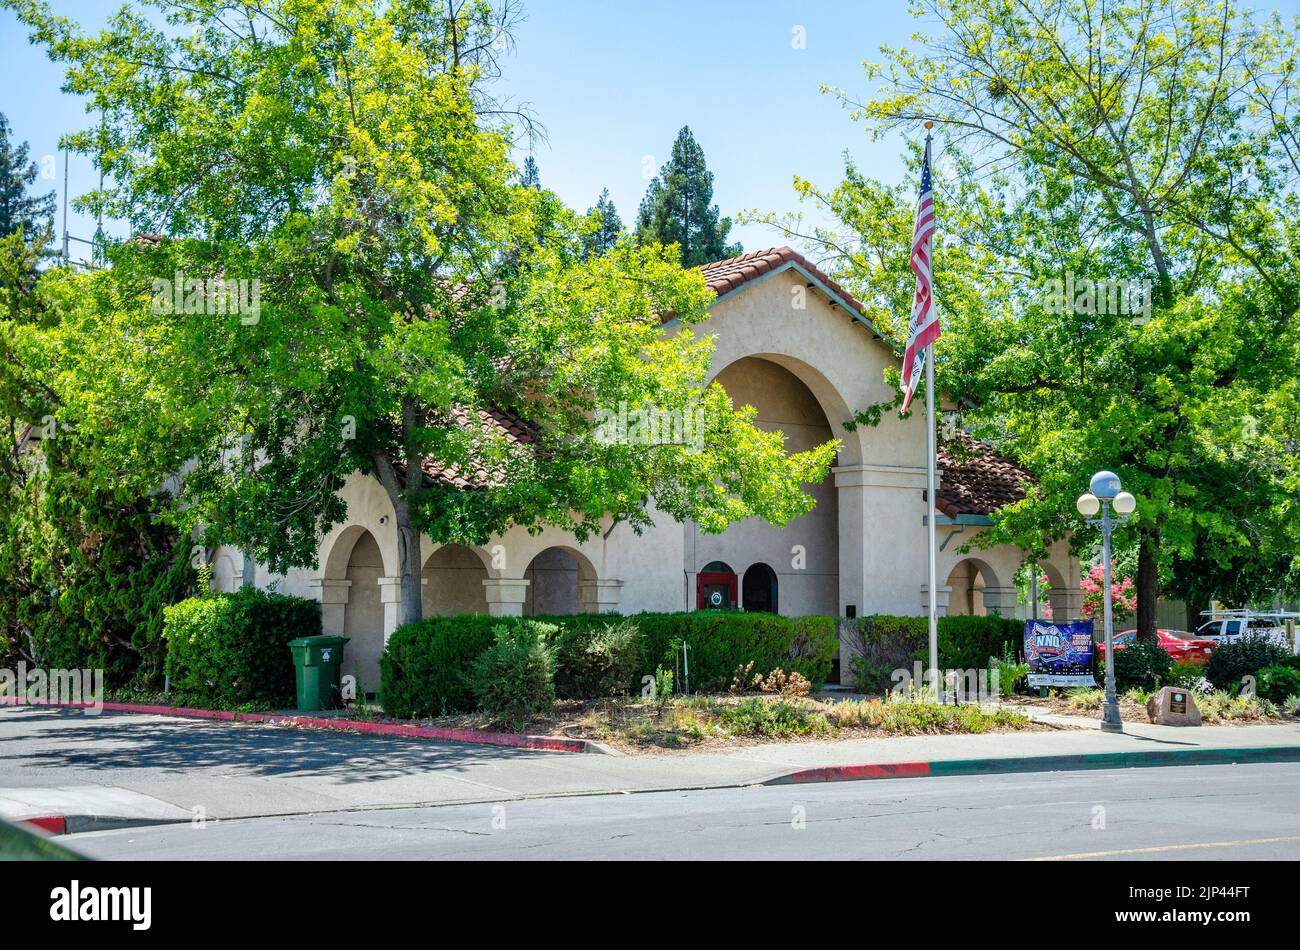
point(401, 730)
point(1040, 763)
point(50, 824)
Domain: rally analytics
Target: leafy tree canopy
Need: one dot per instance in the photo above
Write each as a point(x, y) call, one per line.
point(350, 157)
point(1116, 265)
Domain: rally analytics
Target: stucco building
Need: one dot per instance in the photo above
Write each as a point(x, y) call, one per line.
point(796, 346)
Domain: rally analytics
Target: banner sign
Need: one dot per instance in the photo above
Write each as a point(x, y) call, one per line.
point(1059, 654)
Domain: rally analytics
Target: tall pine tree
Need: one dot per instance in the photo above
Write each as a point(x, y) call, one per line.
point(18, 209)
point(678, 207)
point(608, 232)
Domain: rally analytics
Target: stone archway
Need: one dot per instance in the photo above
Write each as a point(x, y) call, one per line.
point(973, 589)
point(452, 582)
point(363, 614)
point(559, 581)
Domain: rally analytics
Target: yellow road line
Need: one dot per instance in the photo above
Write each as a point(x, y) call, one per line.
point(1240, 843)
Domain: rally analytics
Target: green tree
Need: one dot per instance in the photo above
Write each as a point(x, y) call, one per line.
point(1106, 148)
point(33, 214)
point(608, 228)
point(529, 177)
point(88, 562)
point(678, 207)
point(350, 156)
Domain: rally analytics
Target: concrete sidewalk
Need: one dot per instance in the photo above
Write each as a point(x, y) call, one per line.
point(133, 768)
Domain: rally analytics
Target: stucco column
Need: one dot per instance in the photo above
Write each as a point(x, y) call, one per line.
point(332, 592)
point(941, 603)
point(1067, 603)
point(505, 596)
point(882, 537)
point(1001, 599)
point(390, 595)
point(600, 596)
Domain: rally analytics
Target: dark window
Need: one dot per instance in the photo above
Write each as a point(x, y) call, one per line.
point(760, 589)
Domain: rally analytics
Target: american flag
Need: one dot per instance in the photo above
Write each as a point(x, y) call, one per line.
point(924, 326)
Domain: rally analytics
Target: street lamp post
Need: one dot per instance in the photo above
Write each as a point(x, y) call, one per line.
point(1104, 491)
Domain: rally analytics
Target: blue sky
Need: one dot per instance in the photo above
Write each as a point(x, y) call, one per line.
point(612, 82)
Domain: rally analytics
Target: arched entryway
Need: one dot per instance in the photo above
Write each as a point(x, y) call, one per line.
point(968, 581)
point(452, 582)
point(556, 578)
point(759, 589)
point(805, 550)
point(363, 614)
point(716, 587)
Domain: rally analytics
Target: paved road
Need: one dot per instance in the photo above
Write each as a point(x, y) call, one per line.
point(1204, 812)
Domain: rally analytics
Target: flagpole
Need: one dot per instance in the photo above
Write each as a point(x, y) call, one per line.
point(929, 494)
point(930, 491)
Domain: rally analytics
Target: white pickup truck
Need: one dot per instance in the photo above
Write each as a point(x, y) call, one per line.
point(1229, 625)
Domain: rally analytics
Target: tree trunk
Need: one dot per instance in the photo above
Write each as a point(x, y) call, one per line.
point(411, 605)
point(1148, 585)
point(1196, 602)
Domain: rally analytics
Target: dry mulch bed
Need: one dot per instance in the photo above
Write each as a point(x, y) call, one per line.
point(685, 725)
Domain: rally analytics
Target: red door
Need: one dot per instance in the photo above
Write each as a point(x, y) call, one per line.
point(716, 590)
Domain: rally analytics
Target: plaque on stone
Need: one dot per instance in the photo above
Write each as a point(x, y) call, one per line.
point(1173, 707)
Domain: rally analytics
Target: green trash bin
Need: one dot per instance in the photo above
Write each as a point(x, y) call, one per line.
point(318, 663)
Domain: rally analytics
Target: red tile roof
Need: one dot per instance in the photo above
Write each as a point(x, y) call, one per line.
point(976, 480)
point(725, 276)
point(495, 422)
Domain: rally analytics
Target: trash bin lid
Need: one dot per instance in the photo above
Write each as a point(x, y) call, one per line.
point(319, 641)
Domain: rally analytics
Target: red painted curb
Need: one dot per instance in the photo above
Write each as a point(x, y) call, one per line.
point(410, 731)
point(855, 773)
point(54, 824)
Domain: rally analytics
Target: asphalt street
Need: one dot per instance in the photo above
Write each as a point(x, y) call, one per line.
point(1239, 812)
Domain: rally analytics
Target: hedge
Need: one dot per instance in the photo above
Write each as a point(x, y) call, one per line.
point(887, 643)
point(423, 668)
point(230, 650)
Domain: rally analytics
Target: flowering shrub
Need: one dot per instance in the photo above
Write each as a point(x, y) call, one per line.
point(1122, 590)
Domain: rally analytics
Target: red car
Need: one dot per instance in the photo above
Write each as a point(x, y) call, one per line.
point(1179, 644)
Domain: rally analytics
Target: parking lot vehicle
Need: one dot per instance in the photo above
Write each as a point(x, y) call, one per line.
point(1179, 644)
point(1226, 626)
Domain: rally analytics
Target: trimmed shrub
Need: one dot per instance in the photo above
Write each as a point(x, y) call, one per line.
point(1231, 662)
point(883, 643)
point(422, 670)
point(593, 661)
point(1141, 666)
point(720, 641)
point(230, 650)
point(514, 679)
point(1276, 683)
point(967, 642)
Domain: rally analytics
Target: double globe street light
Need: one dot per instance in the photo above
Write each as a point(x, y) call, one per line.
point(1105, 492)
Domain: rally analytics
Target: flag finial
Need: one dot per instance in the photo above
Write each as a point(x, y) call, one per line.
point(929, 124)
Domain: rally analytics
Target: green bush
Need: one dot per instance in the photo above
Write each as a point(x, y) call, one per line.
point(882, 643)
point(1141, 666)
point(1276, 683)
point(967, 642)
point(720, 641)
point(514, 679)
point(1231, 662)
point(422, 670)
point(592, 661)
point(761, 717)
point(225, 651)
point(1185, 675)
